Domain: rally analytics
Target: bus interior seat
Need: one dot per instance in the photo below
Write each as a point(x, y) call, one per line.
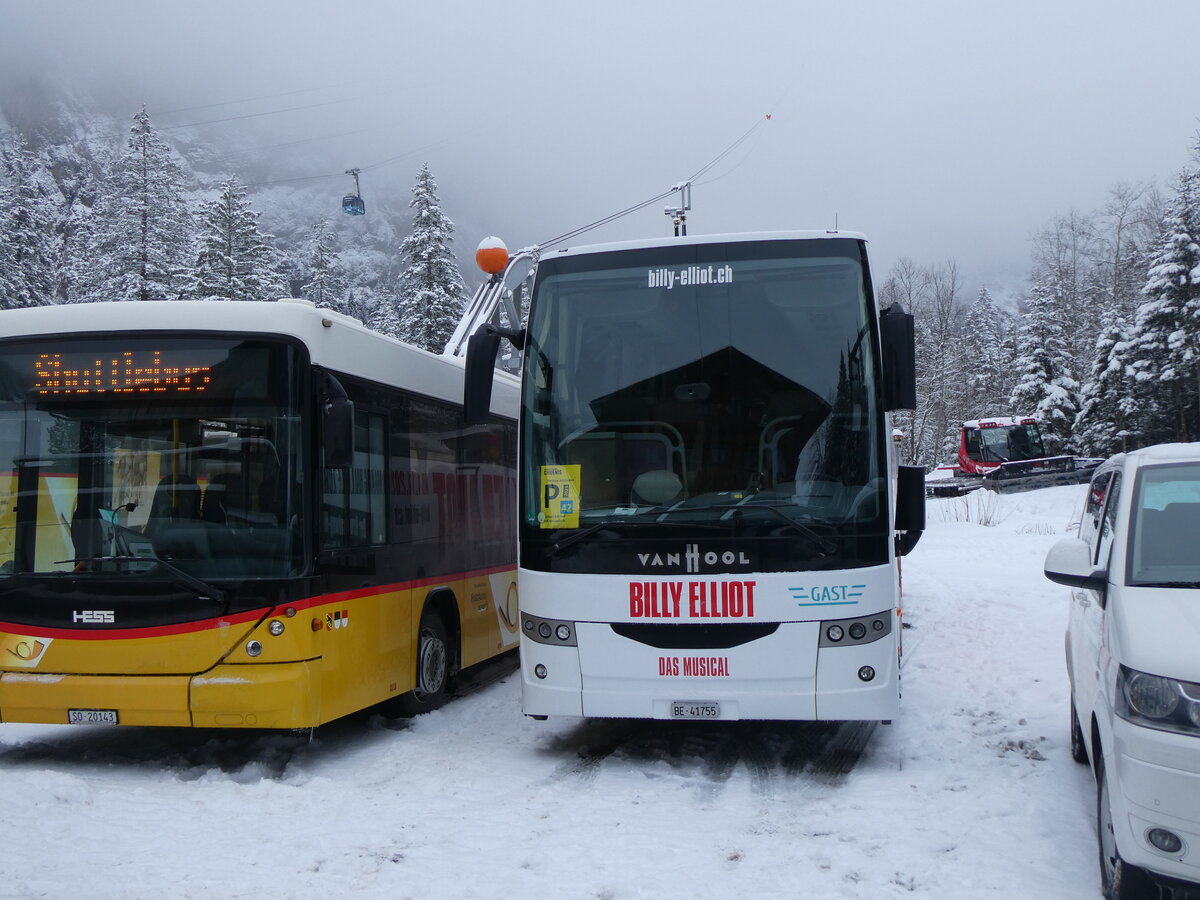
point(657, 487)
point(611, 461)
point(176, 497)
point(221, 495)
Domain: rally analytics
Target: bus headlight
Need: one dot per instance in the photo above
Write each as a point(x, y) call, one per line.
point(554, 632)
point(253, 648)
point(857, 631)
point(276, 627)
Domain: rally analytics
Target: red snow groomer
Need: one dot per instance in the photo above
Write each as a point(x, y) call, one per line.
point(1007, 453)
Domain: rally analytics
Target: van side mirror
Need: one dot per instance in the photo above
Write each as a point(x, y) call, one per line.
point(897, 338)
point(910, 508)
point(337, 424)
point(1069, 562)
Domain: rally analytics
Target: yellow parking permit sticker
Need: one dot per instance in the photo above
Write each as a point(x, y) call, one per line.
point(560, 497)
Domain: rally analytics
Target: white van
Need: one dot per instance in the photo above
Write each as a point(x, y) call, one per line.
point(1133, 655)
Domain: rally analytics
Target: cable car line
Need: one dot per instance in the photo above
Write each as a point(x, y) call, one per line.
point(375, 165)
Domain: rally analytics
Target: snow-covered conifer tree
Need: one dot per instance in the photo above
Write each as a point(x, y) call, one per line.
point(384, 315)
point(1102, 425)
point(1165, 345)
point(141, 246)
point(325, 278)
point(1046, 385)
point(76, 162)
point(431, 287)
point(235, 261)
point(987, 375)
point(28, 262)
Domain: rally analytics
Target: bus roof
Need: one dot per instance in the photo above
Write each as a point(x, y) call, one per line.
point(668, 241)
point(334, 341)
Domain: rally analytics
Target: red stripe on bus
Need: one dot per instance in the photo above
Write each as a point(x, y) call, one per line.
point(240, 618)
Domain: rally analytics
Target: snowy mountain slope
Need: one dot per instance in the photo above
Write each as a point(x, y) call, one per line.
point(970, 793)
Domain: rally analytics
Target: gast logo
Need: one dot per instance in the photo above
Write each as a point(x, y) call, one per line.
point(694, 560)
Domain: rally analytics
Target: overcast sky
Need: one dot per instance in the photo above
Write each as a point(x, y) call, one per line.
point(943, 130)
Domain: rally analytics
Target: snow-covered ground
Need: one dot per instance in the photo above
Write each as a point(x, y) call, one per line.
point(970, 793)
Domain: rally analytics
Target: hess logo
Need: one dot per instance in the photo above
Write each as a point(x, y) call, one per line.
point(93, 617)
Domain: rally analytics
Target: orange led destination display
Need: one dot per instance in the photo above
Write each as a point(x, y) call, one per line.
point(120, 372)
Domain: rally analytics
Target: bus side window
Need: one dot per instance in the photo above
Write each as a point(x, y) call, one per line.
point(353, 508)
point(368, 498)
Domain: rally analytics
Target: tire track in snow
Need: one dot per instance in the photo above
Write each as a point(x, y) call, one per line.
point(803, 757)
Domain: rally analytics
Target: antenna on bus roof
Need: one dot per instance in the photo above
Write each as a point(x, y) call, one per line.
point(679, 213)
point(484, 307)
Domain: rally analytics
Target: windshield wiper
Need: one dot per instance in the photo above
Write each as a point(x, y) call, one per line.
point(203, 589)
point(575, 537)
point(827, 547)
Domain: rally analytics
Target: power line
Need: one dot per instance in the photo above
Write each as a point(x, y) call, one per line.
point(720, 156)
point(182, 109)
point(271, 112)
point(612, 218)
point(667, 193)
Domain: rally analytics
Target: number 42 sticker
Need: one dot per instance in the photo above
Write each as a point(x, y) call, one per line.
point(559, 497)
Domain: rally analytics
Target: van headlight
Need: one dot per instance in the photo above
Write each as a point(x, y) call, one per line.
point(1156, 702)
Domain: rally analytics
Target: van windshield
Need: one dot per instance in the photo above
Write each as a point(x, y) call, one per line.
point(1165, 520)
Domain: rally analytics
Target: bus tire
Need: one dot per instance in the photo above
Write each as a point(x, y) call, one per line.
point(433, 667)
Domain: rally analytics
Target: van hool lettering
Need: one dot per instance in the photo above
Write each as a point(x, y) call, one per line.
point(693, 560)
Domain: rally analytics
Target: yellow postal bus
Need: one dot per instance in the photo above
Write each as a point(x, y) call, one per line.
point(242, 514)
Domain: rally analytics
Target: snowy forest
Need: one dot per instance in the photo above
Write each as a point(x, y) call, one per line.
point(85, 217)
point(1102, 344)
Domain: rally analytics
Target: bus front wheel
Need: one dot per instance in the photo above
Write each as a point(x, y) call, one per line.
point(433, 667)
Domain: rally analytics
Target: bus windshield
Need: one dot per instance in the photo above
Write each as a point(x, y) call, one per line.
point(117, 452)
point(726, 387)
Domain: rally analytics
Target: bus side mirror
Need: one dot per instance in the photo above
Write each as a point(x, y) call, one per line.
point(482, 348)
point(910, 507)
point(337, 424)
point(897, 330)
